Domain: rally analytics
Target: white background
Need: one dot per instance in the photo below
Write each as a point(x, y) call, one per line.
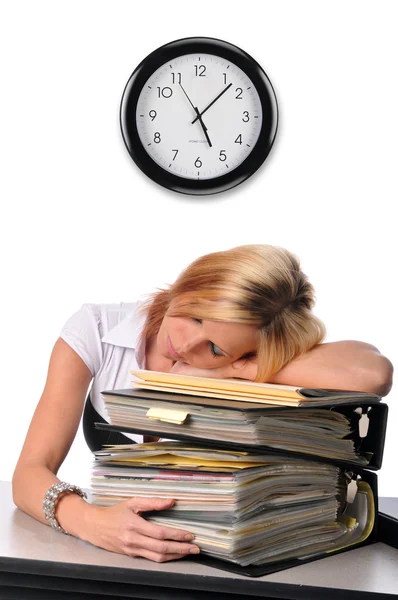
point(80, 223)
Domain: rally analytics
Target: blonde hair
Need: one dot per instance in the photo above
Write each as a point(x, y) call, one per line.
point(259, 285)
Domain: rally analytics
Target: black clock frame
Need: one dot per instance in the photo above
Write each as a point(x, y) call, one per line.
point(140, 77)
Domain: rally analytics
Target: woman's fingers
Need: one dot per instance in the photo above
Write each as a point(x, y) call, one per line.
point(159, 532)
point(135, 543)
point(139, 505)
point(243, 368)
point(185, 369)
point(159, 558)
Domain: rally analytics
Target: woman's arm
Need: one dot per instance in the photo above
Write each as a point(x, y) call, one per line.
point(50, 435)
point(118, 528)
point(345, 365)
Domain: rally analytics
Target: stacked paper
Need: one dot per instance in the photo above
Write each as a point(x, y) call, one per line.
point(246, 391)
point(319, 432)
point(248, 508)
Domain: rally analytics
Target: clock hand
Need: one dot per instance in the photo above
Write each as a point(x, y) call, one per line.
point(211, 103)
point(198, 116)
point(189, 99)
point(203, 126)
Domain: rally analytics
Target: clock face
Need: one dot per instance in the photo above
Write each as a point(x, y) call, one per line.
point(198, 116)
point(168, 124)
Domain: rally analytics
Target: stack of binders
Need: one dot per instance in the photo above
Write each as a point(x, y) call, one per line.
point(265, 476)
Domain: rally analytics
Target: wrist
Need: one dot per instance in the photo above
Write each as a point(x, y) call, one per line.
point(73, 515)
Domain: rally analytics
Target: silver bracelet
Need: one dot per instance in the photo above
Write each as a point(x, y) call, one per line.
point(52, 496)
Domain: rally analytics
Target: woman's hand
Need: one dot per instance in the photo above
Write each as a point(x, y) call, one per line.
point(121, 529)
point(244, 368)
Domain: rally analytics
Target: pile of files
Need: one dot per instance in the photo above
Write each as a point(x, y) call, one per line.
point(261, 485)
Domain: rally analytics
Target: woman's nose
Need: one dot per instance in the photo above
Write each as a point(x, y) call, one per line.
point(192, 342)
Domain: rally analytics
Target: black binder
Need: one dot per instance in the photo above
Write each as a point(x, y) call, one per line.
point(278, 565)
point(260, 570)
point(372, 444)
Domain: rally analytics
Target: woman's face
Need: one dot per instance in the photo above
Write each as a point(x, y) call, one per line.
point(205, 344)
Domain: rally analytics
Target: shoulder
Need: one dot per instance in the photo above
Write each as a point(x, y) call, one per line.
point(91, 324)
point(106, 315)
point(95, 320)
point(111, 314)
point(118, 322)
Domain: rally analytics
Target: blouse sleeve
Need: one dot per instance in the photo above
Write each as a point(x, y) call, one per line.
point(83, 332)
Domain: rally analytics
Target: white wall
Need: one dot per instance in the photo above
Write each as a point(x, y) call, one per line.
point(80, 223)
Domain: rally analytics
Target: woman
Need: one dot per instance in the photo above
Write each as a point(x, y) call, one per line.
point(245, 313)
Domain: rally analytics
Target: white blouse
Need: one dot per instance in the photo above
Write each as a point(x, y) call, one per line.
point(107, 338)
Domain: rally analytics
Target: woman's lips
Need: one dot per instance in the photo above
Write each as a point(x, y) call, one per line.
point(171, 350)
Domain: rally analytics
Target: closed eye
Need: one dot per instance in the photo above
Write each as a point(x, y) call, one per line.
point(215, 350)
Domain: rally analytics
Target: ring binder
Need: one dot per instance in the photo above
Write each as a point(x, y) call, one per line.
point(323, 431)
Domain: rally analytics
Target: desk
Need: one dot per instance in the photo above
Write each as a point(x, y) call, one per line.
point(38, 562)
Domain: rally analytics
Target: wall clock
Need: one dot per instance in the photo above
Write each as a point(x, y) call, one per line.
point(198, 116)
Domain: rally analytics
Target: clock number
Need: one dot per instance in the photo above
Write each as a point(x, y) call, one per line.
point(152, 114)
point(223, 156)
point(173, 75)
point(239, 96)
point(156, 138)
point(238, 139)
point(198, 163)
point(247, 118)
point(200, 70)
point(166, 92)
point(225, 78)
point(176, 152)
